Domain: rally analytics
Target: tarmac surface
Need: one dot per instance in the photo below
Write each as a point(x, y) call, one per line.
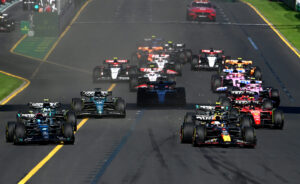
point(145, 147)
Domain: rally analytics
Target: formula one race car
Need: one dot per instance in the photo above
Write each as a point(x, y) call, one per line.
point(39, 128)
point(259, 111)
point(178, 52)
point(164, 62)
point(161, 93)
point(6, 23)
point(206, 129)
point(114, 70)
point(201, 10)
point(50, 110)
point(208, 59)
point(98, 103)
point(219, 85)
point(151, 73)
point(242, 66)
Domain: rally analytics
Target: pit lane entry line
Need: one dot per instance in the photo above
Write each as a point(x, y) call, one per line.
point(274, 29)
point(17, 91)
point(36, 168)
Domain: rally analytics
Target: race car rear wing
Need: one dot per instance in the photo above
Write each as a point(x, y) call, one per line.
point(239, 70)
point(246, 102)
point(52, 105)
point(204, 117)
point(206, 51)
point(119, 61)
point(151, 69)
point(208, 107)
point(235, 62)
point(239, 93)
point(162, 83)
point(250, 82)
point(92, 93)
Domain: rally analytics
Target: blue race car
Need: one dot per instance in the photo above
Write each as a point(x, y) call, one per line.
point(161, 93)
point(98, 103)
point(38, 128)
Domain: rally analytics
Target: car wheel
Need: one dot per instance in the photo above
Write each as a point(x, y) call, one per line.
point(9, 132)
point(186, 132)
point(19, 133)
point(199, 135)
point(68, 133)
point(278, 119)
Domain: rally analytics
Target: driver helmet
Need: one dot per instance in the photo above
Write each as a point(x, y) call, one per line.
point(39, 117)
point(115, 59)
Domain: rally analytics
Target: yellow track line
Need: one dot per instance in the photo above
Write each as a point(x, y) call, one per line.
point(274, 29)
point(17, 91)
point(33, 171)
point(18, 42)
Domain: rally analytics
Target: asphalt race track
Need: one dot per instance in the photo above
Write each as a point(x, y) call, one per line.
point(145, 147)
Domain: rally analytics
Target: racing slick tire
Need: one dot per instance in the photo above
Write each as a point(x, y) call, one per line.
point(245, 122)
point(189, 117)
point(68, 133)
point(278, 119)
point(133, 82)
point(178, 69)
point(224, 101)
point(19, 133)
point(71, 118)
point(198, 136)
point(77, 104)
point(121, 106)
point(9, 131)
point(188, 54)
point(186, 132)
point(257, 74)
point(194, 63)
point(182, 58)
point(216, 82)
point(249, 137)
point(275, 97)
point(267, 104)
point(96, 74)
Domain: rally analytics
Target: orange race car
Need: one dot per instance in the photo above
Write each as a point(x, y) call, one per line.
point(245, 66)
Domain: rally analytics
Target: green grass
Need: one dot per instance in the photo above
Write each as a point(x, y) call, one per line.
point(286, 20)
point(8, 84)
point(36, 47)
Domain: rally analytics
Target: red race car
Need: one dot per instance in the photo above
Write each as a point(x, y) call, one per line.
point(201, 10)
point(257, 111)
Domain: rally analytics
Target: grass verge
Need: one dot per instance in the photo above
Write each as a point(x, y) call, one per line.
point(286, 20)
point(8, 84)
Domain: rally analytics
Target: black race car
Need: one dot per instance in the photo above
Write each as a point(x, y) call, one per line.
point(51, 110)
point(114, 70)
point(6, 23)
point(163, 93)
point(210, 129)
point(150, 73)
point(178, 52)
point(98, 103)
point(38, 128)
point(208, 60)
